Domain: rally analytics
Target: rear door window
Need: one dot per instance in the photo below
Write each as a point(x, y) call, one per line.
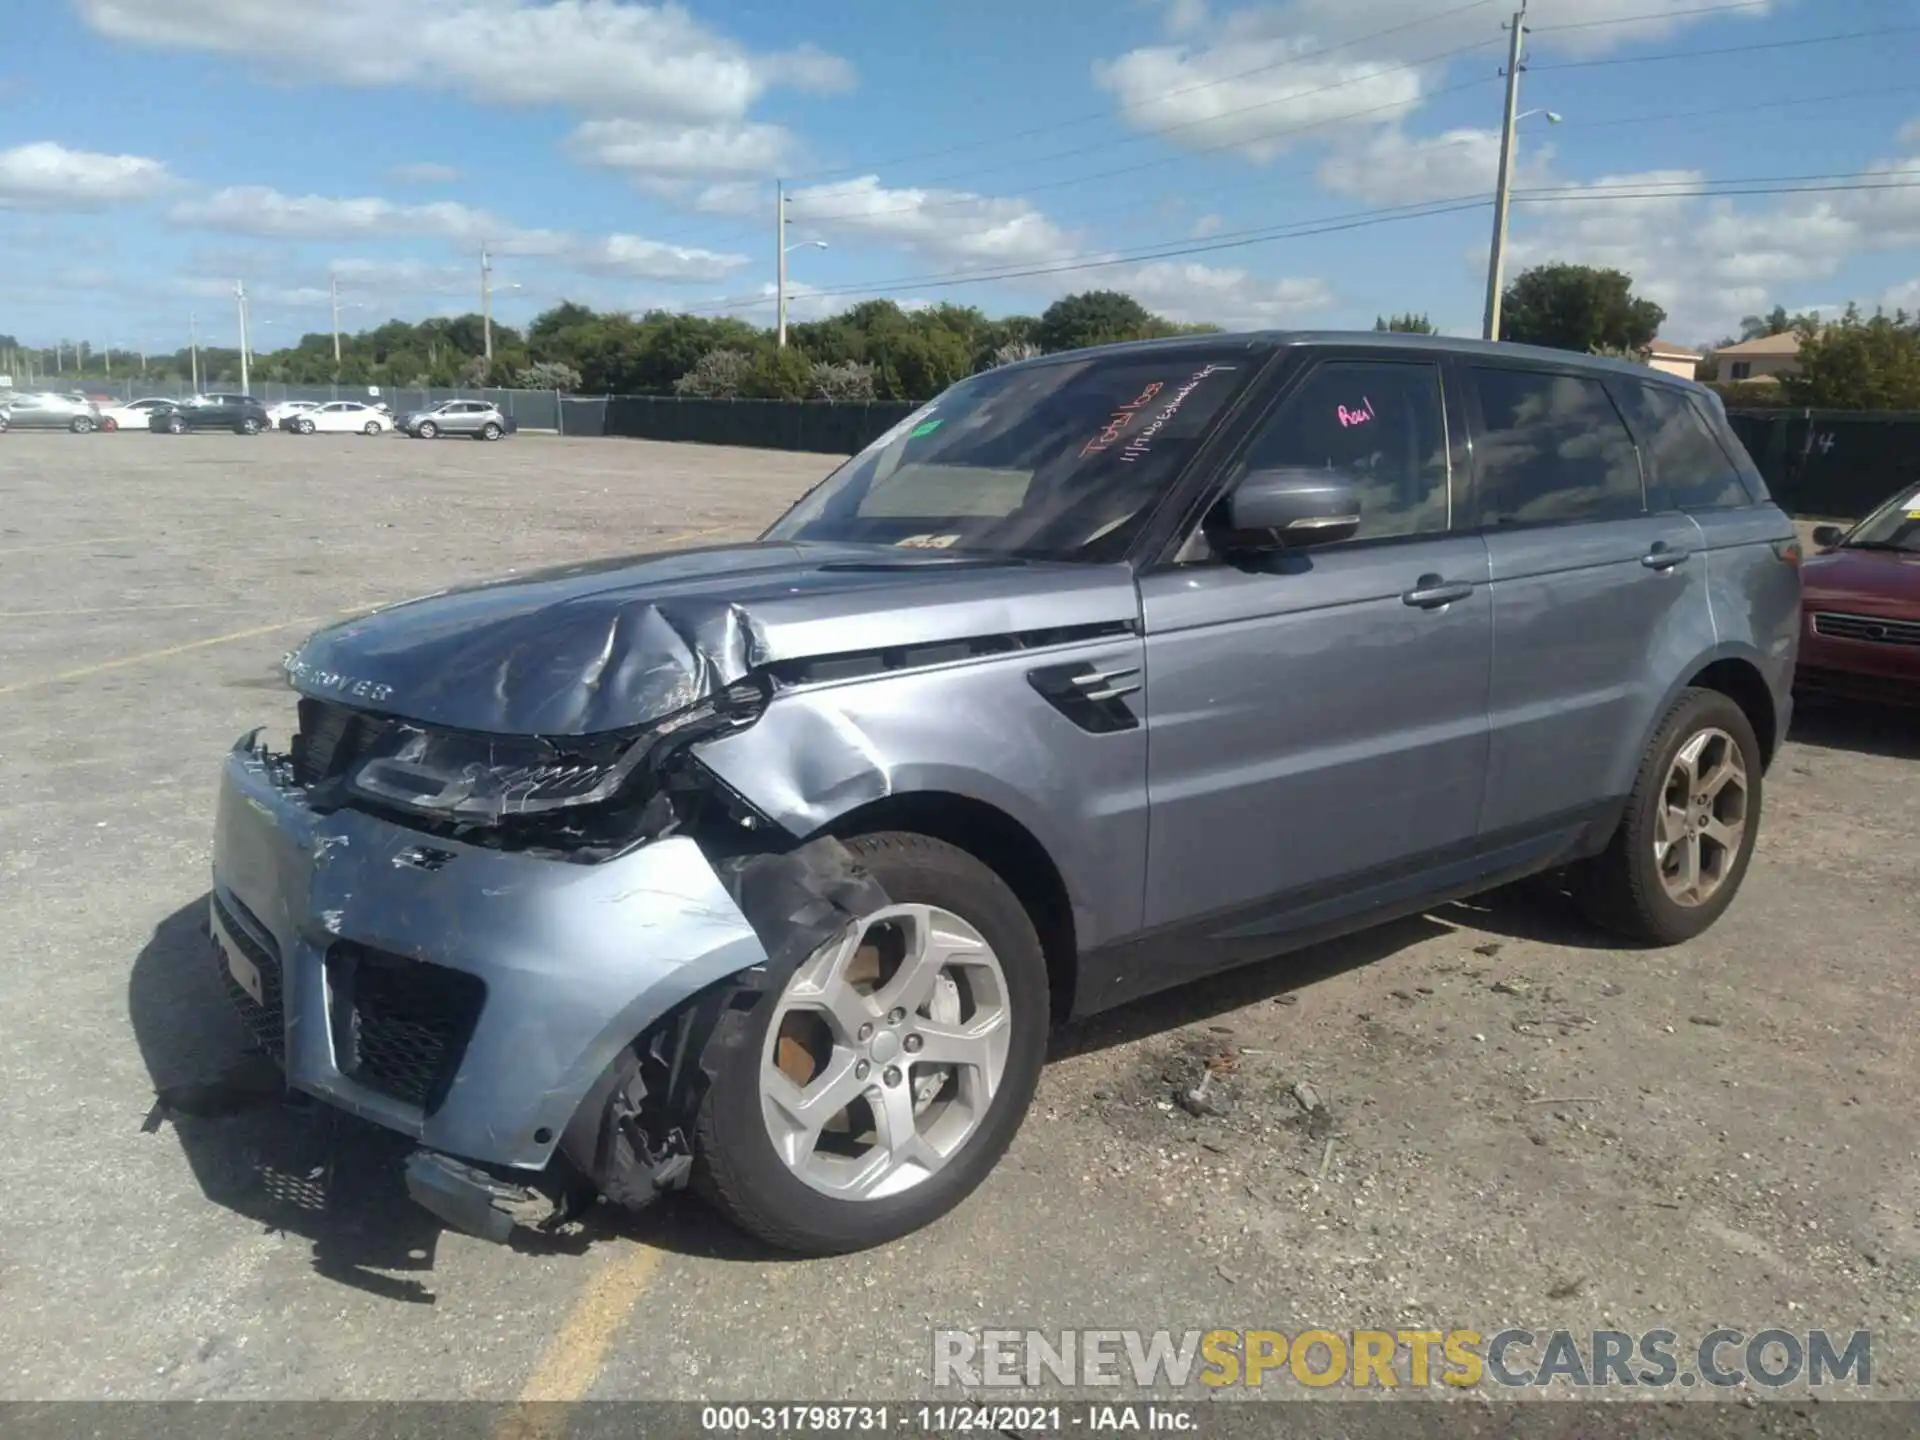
point(1553, 449)
point(1682, 453)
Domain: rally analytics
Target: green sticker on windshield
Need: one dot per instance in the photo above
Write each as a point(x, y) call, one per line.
point(925, 427)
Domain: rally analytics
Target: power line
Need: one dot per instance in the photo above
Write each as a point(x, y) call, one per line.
point(1746, 109)
point(1175, 159)
point(1727, 49)
point(1104, 114)
point(1602, 192)
point(1650, 15)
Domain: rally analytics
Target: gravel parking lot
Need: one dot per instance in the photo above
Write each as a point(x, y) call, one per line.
point(1482, 1118)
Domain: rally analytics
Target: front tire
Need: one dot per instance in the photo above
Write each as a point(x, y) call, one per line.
point(856, 1115)
point(81, 425)
point(109, 424)
point(427, 430)
point(1687, 837)
point(176, 426)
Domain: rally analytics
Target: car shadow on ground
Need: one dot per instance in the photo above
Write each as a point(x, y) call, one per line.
point(1883, 730)
point(302, 1168)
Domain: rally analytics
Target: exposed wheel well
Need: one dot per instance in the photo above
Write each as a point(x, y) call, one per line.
point(1741, 682)
point(1004, 846)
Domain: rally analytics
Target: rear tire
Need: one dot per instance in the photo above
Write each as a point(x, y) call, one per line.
point(490, 431)
point(372, 427)
point(1700, 776)
point(249, 426)
point(737, 1167)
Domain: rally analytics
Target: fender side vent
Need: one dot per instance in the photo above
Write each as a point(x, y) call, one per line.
point(1093, 698)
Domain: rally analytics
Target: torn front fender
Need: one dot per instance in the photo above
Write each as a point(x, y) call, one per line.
point(631, 1135)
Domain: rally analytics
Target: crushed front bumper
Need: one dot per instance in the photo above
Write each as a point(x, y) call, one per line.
point(463, 996)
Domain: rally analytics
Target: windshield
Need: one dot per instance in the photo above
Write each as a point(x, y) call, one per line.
point(1060, 461)
point(1894, 526)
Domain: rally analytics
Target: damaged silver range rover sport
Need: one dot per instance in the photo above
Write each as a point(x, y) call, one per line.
point(768, 867)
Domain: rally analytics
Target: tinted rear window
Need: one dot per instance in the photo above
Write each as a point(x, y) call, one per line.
point(1554, 449)
point(1682, 452)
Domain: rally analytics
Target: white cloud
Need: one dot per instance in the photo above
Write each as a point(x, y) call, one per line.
point(952, 227)
point(1393, 168)
point(598, 55)
point(1261, 78)
point(1910, 134)
point(1203, 98)
point(49, 176)
point(1206, 225)
point(423, 172)
point(1709, 260)
point(259, 210)
point(1233, 298)
point(719, 169)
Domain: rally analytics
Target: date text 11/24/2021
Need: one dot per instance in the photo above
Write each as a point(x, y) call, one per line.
point(947, 1419)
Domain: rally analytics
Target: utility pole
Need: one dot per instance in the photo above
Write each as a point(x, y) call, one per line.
point(193, 351)
point(486, 303)
point(240, 296)
point(109, 362)
point(333, 289)
point(1497, 257)
point(780, 273)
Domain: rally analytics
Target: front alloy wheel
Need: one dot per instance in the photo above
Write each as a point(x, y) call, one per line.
point(427, 430)
point(890, 1072)
point(176, 426)
point(1702, 825)
point(885, 1053)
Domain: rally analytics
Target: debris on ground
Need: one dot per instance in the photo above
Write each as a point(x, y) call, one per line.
point(1515, 988)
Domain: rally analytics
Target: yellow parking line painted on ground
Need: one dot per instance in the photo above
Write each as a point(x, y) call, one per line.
point(125, 660)
point(88, 670)
point(127, 609)
point(572, 1359)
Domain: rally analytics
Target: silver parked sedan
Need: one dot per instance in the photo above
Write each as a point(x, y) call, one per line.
point(48, 410)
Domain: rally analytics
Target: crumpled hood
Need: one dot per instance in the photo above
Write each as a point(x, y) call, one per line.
point(613, 644)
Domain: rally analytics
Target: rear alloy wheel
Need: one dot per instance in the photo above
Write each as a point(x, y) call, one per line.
point(303, 427)
point(249, 426)
point(427, 430)
point(82, 425)
point(885, 1080)
point(489, 431)
point(372, 427)
point(1686, 839)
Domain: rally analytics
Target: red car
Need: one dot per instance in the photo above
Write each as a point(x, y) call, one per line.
point(1860, 607)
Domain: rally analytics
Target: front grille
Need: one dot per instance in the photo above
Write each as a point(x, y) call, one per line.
point(401, 1026)
point(1873, 629)
point(330, 739)
point(266, 1017)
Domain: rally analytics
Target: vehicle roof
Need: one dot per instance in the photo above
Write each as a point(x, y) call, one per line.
point(1389, 340)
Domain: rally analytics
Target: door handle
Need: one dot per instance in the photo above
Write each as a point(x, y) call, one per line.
point(1431, 592)
point(1660, 557)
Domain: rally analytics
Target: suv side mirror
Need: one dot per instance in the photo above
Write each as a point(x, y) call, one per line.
point(1283, 509)
point(1828, 536)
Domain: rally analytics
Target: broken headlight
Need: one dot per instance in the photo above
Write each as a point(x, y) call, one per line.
point(490, 777)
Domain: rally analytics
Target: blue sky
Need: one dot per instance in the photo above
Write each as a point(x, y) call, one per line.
point(621, 154)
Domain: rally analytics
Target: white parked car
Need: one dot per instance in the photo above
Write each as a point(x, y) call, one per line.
point(288, 409)
point(340, 417)
point(131, 416)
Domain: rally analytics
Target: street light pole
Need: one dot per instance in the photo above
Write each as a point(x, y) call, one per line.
point(486, 302)
point(240, 297)
point(1497, 256)
point(333, 291)
point(193, 350)
point(780, 273)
